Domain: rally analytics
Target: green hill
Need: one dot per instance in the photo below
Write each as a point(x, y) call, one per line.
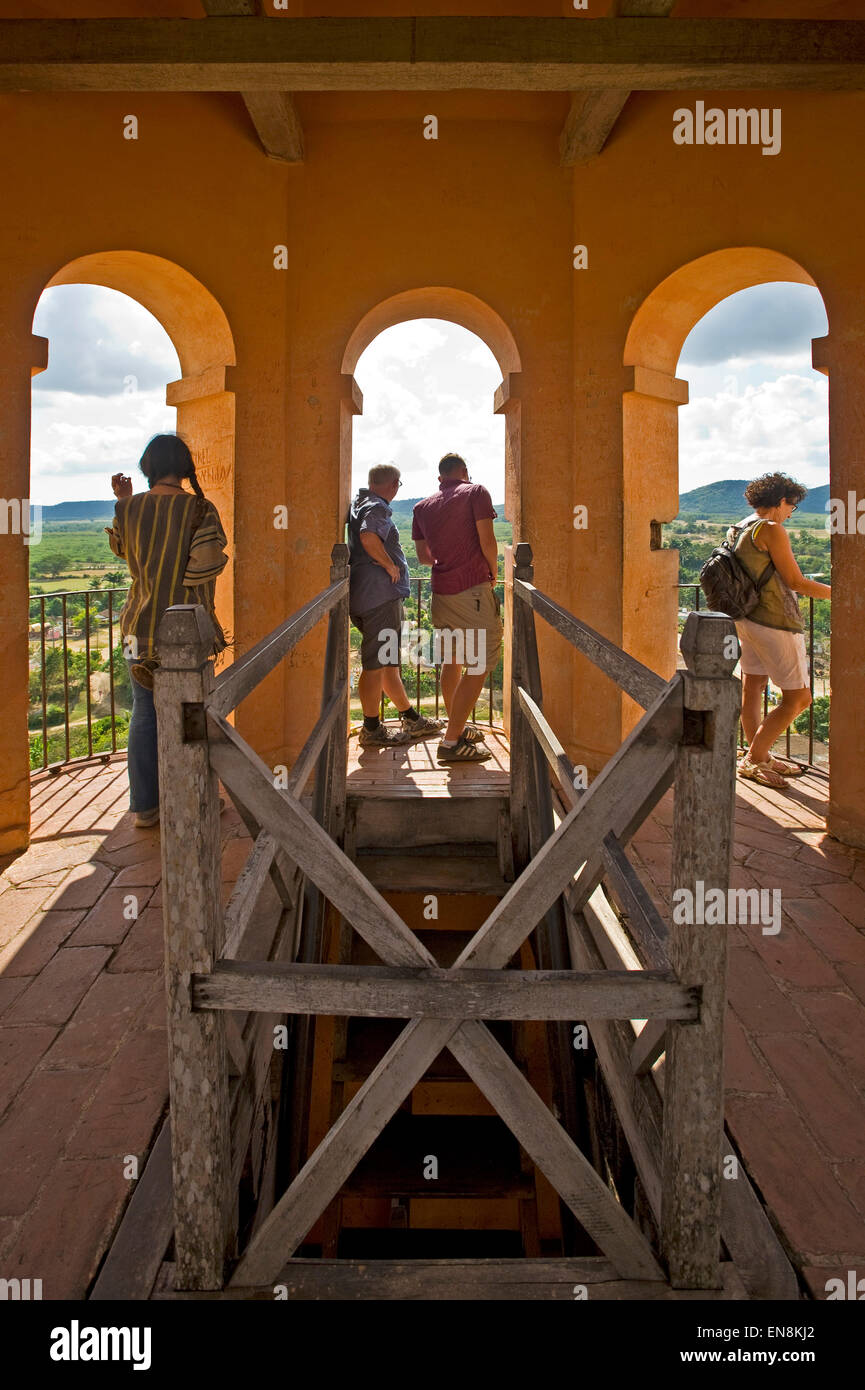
point(79, 511)
point(727, 500)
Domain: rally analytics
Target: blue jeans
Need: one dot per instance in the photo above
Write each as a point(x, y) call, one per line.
point(142, 757)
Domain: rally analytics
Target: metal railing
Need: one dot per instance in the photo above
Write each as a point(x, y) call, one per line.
point(53, 632)
point(696, 607)
point(417, 614)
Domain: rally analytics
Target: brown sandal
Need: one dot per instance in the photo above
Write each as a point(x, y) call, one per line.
point(763, 773)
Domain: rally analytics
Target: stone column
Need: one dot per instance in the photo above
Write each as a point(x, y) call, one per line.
point(840, 358)
point(21, 358)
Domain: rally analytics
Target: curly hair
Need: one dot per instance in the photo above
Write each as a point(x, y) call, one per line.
point(772, 489)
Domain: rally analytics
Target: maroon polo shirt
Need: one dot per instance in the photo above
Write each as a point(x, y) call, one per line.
point(446, 521)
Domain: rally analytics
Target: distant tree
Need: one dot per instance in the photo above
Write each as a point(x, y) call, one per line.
point(122, 683)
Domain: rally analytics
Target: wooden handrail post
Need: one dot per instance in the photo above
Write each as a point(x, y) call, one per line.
point(338, 624)
point(192, 914)
point(705, 783)
point(329, 810)
point(522, 750)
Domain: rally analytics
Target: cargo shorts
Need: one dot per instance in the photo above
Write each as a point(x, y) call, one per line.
point(468, 628)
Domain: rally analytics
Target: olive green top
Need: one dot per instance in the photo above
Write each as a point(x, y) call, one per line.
point(778, 606)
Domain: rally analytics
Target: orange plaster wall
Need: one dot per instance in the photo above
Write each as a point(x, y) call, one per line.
point(81, 188)
point(645, 209)
point(376, 211)
point(379, 211)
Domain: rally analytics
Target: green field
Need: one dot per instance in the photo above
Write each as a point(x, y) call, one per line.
point(75, 556)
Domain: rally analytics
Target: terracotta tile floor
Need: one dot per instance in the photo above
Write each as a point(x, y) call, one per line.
point(795, 1046)
point(83, 1060)
point(83, 1076)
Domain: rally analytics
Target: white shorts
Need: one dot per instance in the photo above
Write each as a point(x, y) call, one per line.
point(769, 651)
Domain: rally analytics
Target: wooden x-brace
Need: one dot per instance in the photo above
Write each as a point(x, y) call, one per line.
point(612, 804)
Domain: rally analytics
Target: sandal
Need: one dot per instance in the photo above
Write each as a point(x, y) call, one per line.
point(763, 773)
point(787, 769)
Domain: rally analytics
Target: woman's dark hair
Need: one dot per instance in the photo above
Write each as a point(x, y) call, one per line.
point(772, 489)
point(168, 456)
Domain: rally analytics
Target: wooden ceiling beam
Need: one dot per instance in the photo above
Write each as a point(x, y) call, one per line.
point(216, 8)
point(435, 54)
point(589, 123)
point(642, 9)
point(277, 124)
point(593, 115)
point(272, 113)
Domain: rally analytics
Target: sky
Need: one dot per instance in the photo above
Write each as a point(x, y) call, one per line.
point(756, 405)
point(755, 402)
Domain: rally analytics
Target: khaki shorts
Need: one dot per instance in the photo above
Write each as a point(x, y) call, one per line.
point(468, 628)
point(772, 652)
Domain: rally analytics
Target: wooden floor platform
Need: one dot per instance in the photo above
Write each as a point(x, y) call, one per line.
point(587, 1278)
point(412, 770)
point(794, 1073)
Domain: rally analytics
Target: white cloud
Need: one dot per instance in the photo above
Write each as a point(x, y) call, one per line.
point(770, 323)
point(779, 424)
point(410, 342)
point(428, 388)
point(96, 338)
point(85, 424)
point(79, 441)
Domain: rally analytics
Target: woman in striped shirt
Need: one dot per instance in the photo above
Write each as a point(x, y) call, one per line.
point(173, 542)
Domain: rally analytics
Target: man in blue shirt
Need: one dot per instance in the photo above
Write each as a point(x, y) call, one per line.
point(378, 583)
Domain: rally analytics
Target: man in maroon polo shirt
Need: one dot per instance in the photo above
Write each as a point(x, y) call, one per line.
point(453, 531)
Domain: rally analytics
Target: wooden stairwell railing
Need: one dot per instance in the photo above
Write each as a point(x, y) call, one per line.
point(212, 1119)
point(589, 968)
point(687, 737)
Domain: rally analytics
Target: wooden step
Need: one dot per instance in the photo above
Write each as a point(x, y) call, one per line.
point(419, 872)
point(477, 1157)
point(370, 1038)
point(424, 816)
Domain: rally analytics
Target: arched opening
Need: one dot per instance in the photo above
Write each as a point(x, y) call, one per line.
point(758, 406)
point(652, 398)
point(100, 398)
point(199, 331)
point(166, 370)
point(494, 363)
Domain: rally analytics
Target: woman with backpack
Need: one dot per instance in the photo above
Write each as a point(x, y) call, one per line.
point(173, 542)
point(771, 637)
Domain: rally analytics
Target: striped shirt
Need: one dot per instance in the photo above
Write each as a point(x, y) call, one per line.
point(174, 546)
